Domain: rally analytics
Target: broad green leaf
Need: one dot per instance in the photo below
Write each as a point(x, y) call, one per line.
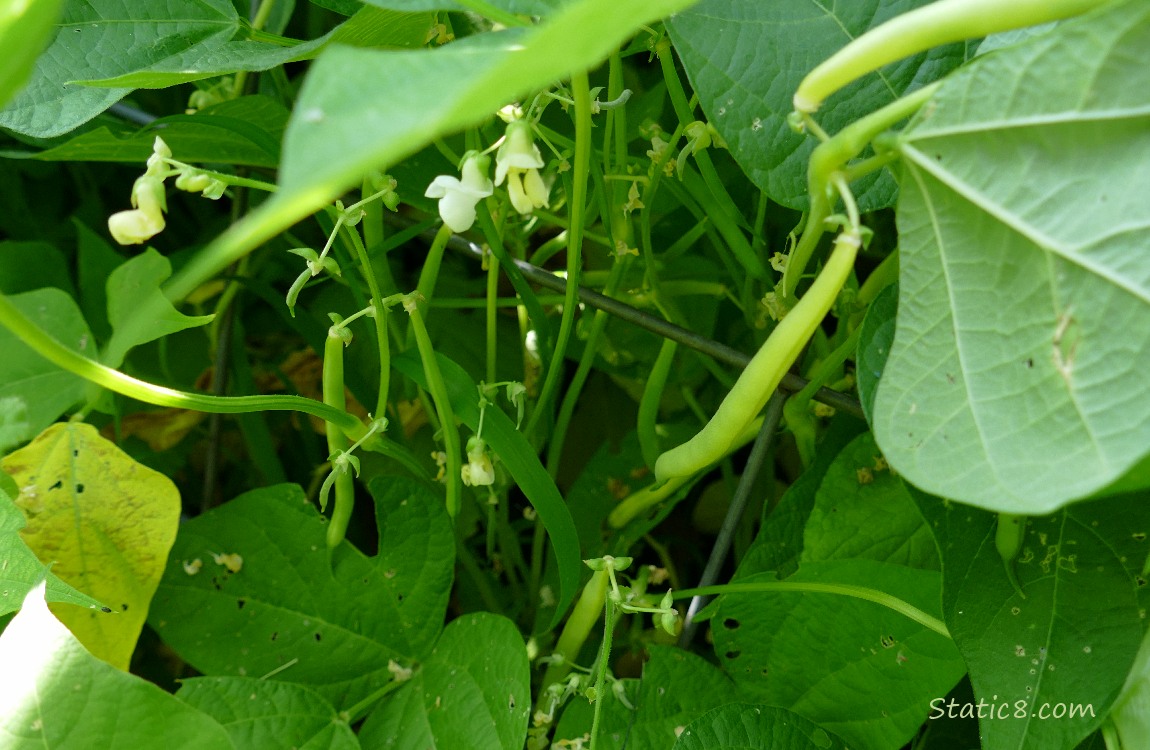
point(331, 622)
point(874, 346)
point(779, 544)
point(134, 284)
point(126, 46)
point(268, 714)
point(20, 570)
point(1016, 376)
point(1072, 639)
point(25, 266)
point(745, 60)
point(245, 131)
point(104, 521)
point(25, 27)
point(676, 688)
point(95, 261)
point(473, 691)
point(863, 511)
point(741, 726)
point(345, 124)
point(55, 694)
point(1131, 712)
point(516, 454)
point(33, 391)
point(522, 7)
point(856, 668)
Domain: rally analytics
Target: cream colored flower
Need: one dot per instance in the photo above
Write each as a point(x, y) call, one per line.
point(457, 198)
point(518, 161)
point(479, 469)
point(147, 219)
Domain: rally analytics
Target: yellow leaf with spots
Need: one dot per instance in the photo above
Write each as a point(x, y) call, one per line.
point(105, 521)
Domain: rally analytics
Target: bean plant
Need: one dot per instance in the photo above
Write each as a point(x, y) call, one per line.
point(500, 374)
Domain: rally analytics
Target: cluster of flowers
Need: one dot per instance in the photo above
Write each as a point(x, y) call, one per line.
point(517, 162)
point(146, 219)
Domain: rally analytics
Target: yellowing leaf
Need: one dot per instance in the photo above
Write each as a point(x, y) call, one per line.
point(160, 429)
point(105, 521)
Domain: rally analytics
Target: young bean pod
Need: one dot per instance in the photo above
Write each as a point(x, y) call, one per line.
point(750, 393)
point(333, 395)
point(1008, 538)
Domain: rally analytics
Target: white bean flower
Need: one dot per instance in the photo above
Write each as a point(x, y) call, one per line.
point(457, 198)
point(146, 220)
point(518, 161)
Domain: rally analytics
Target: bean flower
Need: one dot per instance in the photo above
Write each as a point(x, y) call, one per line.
point(457, 197)
point(518, 161)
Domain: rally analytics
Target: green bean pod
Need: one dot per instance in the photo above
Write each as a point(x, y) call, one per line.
point(751, 391)
point(649, 403)
point(334, 395)
point(1008, 538)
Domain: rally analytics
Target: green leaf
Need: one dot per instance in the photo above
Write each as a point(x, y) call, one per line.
point(1019, 362)
point(745, 60)
point(25, 266)
point(55, 694)
point(134, 284)
point(518, 7)
point(125, 46)
point(516, 454)
point(779, 544)
point(874, 346)
point(741, 726)
point(677, 686)
point(1131, 712)
point(25, 27)
point(266, 714)
point(33, 390)
point(854, 667)
point(1072, 639)
point(245, 131)
point(329, 623)
point(20, 569)
point(347, 124)
point(105, 521)
point(863, 511)
point(474, 691)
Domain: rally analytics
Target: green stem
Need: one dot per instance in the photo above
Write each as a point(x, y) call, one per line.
point(581, 91)
point(491, 318)
point(49, 348)
point(601, 671)
point(841, 589)
point(429, 275)
point(383, 344)
point(932, 25)
point(826, 160)
point(438, 389)
point(766, 369)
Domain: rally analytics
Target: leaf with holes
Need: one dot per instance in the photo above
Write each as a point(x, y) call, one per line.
point(856, 668)
point(251, 590)
point(267, 713)
point(1072, 639)
point(20, 570)
point(745, 60)
point(1016, 377)
point(474, 690)
point(105, 521)
point(741, 726)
